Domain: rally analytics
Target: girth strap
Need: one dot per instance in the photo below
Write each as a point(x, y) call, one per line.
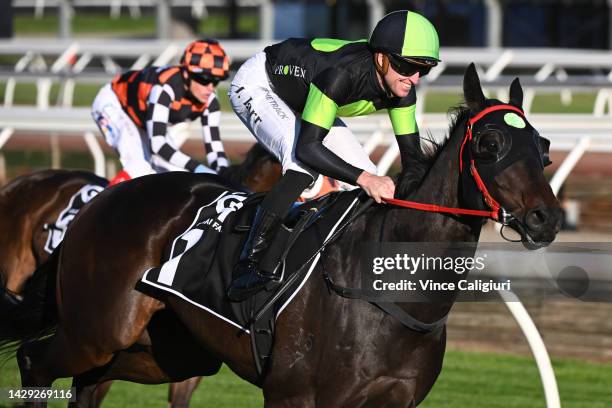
point(356, 214)
point(410, 322)
point(392, 309)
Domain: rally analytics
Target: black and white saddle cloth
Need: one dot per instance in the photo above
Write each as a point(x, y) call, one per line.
point(57, 230)
point(201, 259)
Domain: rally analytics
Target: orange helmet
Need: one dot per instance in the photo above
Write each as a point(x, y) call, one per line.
point(205, 61)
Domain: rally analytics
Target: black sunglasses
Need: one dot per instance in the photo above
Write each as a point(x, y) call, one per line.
point(407, 67)
point(204, 80)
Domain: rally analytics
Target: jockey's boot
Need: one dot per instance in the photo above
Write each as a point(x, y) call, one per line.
point(249, 279)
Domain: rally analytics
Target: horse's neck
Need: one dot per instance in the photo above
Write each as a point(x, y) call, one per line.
point(440, 187)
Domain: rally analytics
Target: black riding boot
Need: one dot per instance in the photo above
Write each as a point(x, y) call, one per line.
point(249, 279)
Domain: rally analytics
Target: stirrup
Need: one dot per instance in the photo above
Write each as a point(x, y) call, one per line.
point(248, 285)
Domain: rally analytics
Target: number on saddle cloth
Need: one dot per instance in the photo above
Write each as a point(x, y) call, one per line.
point(202, 258)
point(201, 261)
point(57, 230)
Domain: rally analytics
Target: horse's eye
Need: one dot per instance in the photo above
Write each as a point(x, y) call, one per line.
point(489, 145)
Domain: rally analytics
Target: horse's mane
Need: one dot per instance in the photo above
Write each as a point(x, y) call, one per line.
point(237, 173)
point(24, 181)
point(20, 185)
point(420, 159)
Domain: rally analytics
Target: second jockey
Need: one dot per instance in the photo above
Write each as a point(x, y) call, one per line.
point(134, 111)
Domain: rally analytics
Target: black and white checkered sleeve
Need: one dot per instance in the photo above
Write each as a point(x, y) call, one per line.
point(158, 113)
point(215, 152)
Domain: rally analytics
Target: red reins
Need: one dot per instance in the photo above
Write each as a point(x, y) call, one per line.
point(496, 208)
point(438, 208)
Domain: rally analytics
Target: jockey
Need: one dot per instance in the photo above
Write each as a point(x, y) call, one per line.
point(134, 111)
point(290, 97)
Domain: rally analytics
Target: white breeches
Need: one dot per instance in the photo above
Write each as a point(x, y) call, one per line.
point(277, 127)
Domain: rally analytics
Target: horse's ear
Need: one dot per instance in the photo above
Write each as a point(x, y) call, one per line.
point(472, 91)
point(516, 94)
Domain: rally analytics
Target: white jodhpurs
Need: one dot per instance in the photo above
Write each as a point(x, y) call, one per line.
point(277, 127)
point(122, 134)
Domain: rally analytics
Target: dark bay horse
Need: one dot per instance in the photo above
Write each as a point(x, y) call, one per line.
point(27, 204)
point(329, 351)
point(30, 202)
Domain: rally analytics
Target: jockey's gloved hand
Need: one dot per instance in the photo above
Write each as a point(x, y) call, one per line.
point(203, 169)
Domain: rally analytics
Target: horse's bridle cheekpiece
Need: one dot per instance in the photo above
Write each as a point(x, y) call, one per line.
point(496, 212)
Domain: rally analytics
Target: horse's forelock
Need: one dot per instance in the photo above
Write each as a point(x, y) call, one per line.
point(458, 114)
point(419, 162)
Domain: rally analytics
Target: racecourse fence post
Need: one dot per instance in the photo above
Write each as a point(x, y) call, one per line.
point(96, 152)
point(5, 135)
point(56, 151)
point(569, 163)
point(3, 178)
point(538, 348)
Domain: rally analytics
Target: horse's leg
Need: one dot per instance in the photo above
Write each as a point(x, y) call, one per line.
point(100, 393)
point(386, 392)
point(179, 394)
point(137, 366)
point(43, 361)
point(381, 392)
point(32, 375)
point(92, 387)
point(87, 387)
point(302, 401)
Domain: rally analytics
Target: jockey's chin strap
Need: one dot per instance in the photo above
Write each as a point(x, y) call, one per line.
point(496, 212)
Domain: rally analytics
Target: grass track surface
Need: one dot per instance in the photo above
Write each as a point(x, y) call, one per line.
point(468, 380)
point(88, 23)
point(25, 94)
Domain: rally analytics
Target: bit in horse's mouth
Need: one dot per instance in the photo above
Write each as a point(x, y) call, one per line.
point(526, 238)
point(530, 244)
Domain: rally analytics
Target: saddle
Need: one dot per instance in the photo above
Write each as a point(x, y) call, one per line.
point(301, 216)
point(201, 260)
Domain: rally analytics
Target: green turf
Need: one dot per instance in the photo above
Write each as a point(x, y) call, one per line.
point(441, 102)
point(84, 94)
point(25, 94)
point(551, 103)
point(216, 24)
point(20, 162)
point(505, 381)
point(468, 379)
point(544, 103)
point(84, 23)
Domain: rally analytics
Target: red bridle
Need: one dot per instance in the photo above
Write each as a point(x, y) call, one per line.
point(496, 208)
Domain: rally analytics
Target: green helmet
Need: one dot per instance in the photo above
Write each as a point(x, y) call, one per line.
point(406, 34)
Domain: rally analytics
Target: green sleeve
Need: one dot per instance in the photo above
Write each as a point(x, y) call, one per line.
point(319, 110)
point(403, 120)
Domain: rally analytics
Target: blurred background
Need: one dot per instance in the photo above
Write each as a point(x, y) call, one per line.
point(56, 54)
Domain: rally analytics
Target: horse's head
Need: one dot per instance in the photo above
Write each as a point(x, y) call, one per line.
point(504, 157)
point(259, 171)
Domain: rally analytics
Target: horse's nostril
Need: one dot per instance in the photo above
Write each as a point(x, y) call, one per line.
point(536, 218)
point(544, 218)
